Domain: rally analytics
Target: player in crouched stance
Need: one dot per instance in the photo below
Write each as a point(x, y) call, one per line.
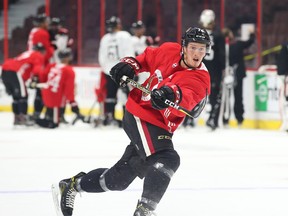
point(177, 74)
point(60, 89)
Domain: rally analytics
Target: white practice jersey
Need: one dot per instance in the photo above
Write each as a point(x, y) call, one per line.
point(113, 47)
point(139, 44)
point(61, 42)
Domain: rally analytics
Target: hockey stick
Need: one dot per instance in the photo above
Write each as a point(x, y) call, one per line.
point(88, 118)
point(227, 85)
point(194, 113)
point(38, 85)
point(85, 119)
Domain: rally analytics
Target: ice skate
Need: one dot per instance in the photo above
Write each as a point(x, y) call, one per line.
point(210, 123)
point(67, 192)
point(143, 210)
point(22, 119)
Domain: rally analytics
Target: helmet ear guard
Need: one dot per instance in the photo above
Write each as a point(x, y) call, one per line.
point(197, 35)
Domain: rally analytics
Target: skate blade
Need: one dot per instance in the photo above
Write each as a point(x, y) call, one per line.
point(56, 198)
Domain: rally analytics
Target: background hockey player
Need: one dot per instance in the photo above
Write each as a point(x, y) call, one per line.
point(40, 34)
point(114, 45)
point(177, 74)
point(236, 61)
point(15, 72)
point(59, 91)
point(139, 39)
point(215, 62)
point(59, 37)
point(282, 71)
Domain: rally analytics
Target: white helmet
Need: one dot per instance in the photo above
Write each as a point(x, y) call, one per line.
point(207, 17)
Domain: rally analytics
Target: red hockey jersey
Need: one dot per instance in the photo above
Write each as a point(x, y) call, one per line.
point(163, 64)
point(27, 64)
point(39, 35)
point(61, 85)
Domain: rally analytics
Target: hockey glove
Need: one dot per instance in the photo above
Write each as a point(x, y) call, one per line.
point(34, 82)
point(158, 97)
point(75, 108)
point(126, 67)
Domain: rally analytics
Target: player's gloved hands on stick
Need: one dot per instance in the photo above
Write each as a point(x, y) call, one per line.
point(126, 67)
point(158, 97)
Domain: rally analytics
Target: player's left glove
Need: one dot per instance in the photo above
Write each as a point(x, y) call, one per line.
point(34, 82)
point(159, 96)
point(126, 67)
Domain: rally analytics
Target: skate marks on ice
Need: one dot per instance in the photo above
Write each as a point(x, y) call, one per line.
point(228, 172)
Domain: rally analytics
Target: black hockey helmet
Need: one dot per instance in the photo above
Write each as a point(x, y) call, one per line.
point(65, 53)
point(112, 23)
point(198, 35)
point(137, 25)
point(39, 47)
point(55, 21)
point(40, 18)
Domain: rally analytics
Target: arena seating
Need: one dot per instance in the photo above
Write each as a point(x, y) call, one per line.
point(274, 15)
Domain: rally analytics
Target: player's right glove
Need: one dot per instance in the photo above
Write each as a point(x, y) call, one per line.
point(158, 97)
point(75, 109)
point(126, 67)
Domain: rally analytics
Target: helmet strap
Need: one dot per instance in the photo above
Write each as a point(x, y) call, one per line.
point(182, 58)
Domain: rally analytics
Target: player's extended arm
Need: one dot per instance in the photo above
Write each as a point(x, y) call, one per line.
point(194, 113)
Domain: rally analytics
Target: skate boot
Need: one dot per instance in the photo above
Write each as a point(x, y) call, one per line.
point(68, 193)
point(22, 119)
point(143, 209)
point(210, 123)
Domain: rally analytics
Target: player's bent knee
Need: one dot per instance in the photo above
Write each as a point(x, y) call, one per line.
point(168, 162)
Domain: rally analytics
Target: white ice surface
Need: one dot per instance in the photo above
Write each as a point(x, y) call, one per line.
point(229, 172)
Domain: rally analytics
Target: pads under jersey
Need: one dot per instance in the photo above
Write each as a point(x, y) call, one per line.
point(163, 65)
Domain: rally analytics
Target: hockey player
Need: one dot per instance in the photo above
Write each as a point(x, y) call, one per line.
point(282, 71)
point(15, 72)
point(40, 34)
point(215, 62)
point(236, 61)
point(177, 74)
point(59, 90)
point(59, 37)
point(114, 45)
point(139, 39)
point(60, 40)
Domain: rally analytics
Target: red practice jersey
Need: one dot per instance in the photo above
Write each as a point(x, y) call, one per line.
point(28, 63)
point(40, 35)
point(61, 85)
point(163, 64)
